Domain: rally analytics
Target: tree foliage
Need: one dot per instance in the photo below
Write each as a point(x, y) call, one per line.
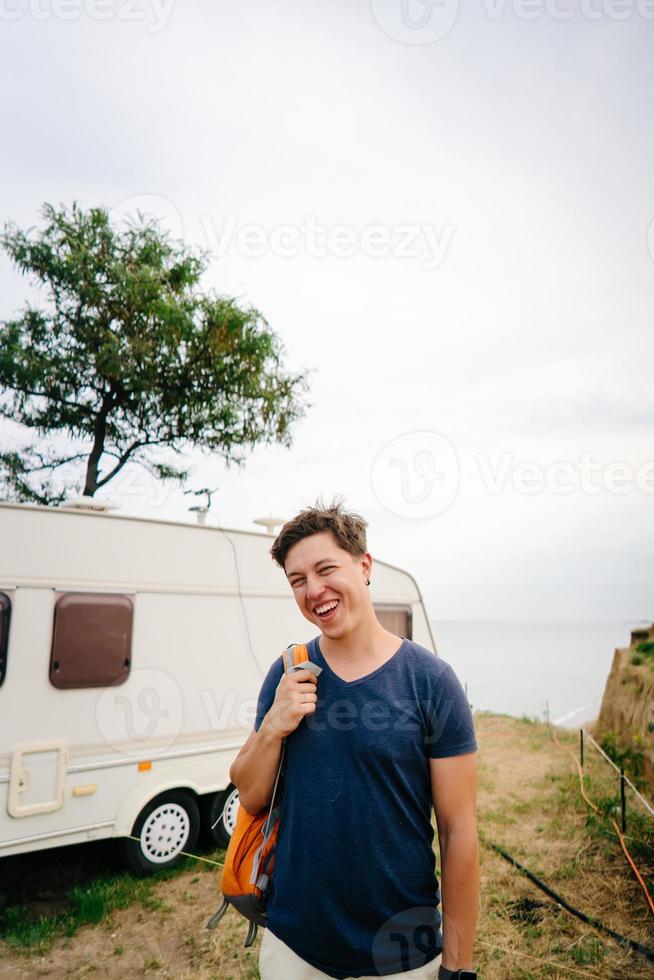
point(130, 358)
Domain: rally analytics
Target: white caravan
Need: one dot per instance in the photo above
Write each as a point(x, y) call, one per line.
point(131, 655)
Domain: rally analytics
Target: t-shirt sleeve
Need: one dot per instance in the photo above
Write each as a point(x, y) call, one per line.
point(268, 691)
point(450, 725)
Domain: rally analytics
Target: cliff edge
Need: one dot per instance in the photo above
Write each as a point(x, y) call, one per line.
point(626, 718)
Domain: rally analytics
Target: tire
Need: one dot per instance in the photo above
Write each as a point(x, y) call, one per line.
point(168, 825)
point(220, 807)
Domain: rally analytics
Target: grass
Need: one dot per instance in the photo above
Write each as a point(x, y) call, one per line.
point(532, 807)
point(529, 804)
point(26, 929)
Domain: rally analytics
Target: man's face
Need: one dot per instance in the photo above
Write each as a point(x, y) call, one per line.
point(329, 584)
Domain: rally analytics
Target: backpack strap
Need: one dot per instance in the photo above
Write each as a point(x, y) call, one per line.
point(293, 655)
point(296, 657)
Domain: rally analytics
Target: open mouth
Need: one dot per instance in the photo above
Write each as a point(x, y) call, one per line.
point(327, 609)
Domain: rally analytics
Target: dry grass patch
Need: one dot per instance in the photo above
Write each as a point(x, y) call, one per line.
point(529, 804)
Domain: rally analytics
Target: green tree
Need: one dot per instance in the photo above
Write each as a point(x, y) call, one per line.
point(130, 359)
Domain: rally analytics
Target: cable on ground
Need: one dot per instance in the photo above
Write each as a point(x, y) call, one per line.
point(590, 803)
point(621, 940)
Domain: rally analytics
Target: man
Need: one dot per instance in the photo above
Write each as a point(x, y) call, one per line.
point(384, 732)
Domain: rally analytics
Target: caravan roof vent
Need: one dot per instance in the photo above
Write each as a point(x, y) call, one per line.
point(270, 523)
point(99, 504)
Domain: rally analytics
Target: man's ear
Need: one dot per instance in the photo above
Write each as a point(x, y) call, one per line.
point(366, 564)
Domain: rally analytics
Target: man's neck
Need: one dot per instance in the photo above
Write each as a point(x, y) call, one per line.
point(369, 645)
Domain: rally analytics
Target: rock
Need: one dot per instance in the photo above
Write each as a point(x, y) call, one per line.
point(628, 702)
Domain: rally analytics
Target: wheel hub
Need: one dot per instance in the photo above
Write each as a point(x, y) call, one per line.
point(229, 813)
point(165, 833)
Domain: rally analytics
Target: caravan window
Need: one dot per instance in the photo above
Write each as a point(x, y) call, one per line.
point(91, 640)
point(397, 619)
point(5, 616)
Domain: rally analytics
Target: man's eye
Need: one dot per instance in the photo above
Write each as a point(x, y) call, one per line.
point(329, 568)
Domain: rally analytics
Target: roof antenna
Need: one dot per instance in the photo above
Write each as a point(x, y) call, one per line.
point(270, 523)
point(200, 509)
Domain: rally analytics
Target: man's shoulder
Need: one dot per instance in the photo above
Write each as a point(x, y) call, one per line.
point(424, 660)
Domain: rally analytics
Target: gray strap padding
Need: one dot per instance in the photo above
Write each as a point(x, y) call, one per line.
point(307, 665)
point(270, 823)
point(255, 864)
point(288, 659)
point(262, 883)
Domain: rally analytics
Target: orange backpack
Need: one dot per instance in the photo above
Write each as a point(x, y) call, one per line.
point(250, 857)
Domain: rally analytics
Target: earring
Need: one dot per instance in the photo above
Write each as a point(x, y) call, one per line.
point(368, 582)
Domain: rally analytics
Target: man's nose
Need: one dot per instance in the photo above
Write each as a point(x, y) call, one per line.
point(314, 587)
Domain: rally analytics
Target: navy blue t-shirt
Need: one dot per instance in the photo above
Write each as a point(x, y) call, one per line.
point(355, 890)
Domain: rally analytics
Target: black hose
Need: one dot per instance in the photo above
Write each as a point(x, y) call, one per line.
point(622, 940)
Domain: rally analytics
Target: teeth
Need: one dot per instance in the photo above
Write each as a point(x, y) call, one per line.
point(327, 606)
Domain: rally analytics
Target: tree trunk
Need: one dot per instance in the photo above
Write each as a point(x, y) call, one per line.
point(91, 483)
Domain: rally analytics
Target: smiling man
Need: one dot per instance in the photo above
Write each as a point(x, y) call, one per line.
point(383, 734)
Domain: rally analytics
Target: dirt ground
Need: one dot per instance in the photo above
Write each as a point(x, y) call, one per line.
point(527, 805)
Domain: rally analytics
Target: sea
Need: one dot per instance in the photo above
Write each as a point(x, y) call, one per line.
point(541, 670)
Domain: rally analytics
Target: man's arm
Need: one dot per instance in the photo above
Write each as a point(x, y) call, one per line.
point(454, 792)
point(255, 767)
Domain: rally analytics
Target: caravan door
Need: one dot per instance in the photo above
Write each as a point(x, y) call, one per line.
point(37, 778)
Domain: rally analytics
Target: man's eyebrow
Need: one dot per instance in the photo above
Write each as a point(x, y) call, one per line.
point(321, 561)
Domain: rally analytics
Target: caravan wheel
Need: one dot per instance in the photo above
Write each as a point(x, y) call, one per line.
point(220, 807)
point(167, 826)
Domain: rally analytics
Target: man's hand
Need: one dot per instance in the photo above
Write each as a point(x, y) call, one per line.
point(295, 698)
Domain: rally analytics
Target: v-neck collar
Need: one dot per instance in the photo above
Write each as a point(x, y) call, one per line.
point(366, 677)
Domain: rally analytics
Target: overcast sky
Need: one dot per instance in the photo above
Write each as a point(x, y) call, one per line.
point(444, 213)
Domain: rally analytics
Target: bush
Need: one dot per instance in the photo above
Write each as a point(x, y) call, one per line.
point(644, 653)
point(629, 757)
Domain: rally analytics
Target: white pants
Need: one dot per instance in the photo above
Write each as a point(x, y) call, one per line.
point(278, 962)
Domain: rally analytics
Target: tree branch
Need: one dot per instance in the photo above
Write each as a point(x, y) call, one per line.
point(123, 459)
point(42, 394)
point(55, 464)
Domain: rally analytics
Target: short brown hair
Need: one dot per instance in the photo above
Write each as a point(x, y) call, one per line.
point(349, 529)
